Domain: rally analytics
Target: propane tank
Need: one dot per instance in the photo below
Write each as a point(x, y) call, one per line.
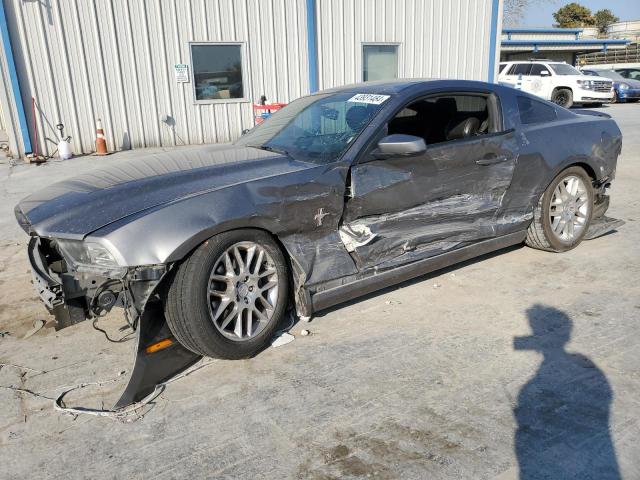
point(64, 149)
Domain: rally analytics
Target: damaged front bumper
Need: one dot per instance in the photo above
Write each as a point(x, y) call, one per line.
point(73, 297)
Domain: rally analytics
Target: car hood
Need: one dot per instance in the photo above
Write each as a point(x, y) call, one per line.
point(76, 207)
point(635, 84)
point(590, 77)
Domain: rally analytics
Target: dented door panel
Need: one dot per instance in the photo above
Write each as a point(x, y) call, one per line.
point(403, 209)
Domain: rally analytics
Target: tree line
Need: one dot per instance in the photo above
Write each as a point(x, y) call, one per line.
point(572, 15)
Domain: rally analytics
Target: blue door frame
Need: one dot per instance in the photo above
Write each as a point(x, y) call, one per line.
point(15, 85)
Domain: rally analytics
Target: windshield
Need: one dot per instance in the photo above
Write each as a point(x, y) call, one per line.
point(610, 74)
point(564, 69)
point(317, 128)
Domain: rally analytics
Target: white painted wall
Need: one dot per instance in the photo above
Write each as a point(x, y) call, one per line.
point(89, 59)
point(437, 38)
point(113, 59)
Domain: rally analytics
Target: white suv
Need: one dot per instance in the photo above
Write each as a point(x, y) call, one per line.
point(556, 81)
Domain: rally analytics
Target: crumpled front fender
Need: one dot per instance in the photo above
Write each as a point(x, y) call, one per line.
point(158, 356)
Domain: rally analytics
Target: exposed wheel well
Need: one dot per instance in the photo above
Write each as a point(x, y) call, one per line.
point(275, 238)
point(587, 168)
point(562, 88)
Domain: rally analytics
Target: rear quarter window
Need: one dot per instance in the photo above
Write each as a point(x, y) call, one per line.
point(533, 111)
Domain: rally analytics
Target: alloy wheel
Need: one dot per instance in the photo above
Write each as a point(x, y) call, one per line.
point(561, 99)
point(569, 209)
point(243, 291)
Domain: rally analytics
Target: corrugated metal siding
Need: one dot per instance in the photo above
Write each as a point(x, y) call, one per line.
point(540, 36)
point(113, 59)
point(560, 56)
point(8, 123)
point(2, 127)
point(89, 59)
point(437, 38)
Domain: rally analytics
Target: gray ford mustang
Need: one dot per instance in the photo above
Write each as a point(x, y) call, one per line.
point(338, 194)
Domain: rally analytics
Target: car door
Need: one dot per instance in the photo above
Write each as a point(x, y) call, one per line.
point(404, 208)
point(517, 74)
point(539, 81)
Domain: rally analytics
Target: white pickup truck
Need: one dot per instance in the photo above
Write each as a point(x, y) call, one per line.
point(558, 82)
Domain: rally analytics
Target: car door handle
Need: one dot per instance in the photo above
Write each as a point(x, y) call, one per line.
point(491, 159)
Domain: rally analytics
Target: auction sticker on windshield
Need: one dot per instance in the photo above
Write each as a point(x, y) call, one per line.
point(371, 98)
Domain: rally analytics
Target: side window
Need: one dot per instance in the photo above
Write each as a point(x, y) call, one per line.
point(533, 111)
point(502, 67)
point(444, 118)
point(537, 68)
point(520, 69)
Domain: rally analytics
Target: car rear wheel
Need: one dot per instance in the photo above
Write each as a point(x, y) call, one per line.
point(227, 299)
point(563, 214)
point(563, 97)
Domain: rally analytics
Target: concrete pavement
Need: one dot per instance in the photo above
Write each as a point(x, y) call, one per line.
point(431, 379)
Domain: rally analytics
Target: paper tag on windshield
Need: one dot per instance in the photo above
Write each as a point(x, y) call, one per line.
point(371, 98)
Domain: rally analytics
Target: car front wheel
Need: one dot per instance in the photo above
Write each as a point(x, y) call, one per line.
point(227, 299)
point(563, 214)
point(563, 97)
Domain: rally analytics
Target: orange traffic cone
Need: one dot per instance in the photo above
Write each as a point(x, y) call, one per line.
point(101, 143)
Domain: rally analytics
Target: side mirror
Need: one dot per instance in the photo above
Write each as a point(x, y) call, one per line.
point(401, 145)
point(545, 73)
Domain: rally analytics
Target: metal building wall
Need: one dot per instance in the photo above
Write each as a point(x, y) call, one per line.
point(8, 118)
point(2, 108)
point(2, 85)
point(437, 38)
point(113, 59)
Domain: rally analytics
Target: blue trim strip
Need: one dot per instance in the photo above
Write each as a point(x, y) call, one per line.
point(495, 10)
point(542, 30)
point(15, 85)
point(507, 43)
point(311, 46)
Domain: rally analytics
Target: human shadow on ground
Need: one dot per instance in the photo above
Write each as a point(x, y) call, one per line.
point(563, 411)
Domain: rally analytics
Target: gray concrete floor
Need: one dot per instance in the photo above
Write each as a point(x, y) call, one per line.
point(426, 380)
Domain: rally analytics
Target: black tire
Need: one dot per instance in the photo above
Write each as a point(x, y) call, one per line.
point(187, 300)
point(562, 97)
point(540, 234)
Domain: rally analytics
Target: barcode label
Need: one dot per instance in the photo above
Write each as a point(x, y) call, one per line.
point(368, 98)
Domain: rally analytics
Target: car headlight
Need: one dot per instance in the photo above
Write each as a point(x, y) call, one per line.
point(88, 256)
point(624, 86)
point(586, 84)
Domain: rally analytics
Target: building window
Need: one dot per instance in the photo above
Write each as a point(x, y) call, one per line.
point(379, 62)
point(217, 71)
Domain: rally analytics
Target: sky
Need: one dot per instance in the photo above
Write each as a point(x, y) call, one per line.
point(540, 14)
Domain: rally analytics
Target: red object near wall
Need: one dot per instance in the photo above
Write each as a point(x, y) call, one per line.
point(263, 112)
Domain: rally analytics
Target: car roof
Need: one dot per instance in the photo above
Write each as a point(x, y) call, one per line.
point(391, 87)
point(540, 60)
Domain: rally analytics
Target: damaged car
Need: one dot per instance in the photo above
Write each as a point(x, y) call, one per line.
point(337, 195)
